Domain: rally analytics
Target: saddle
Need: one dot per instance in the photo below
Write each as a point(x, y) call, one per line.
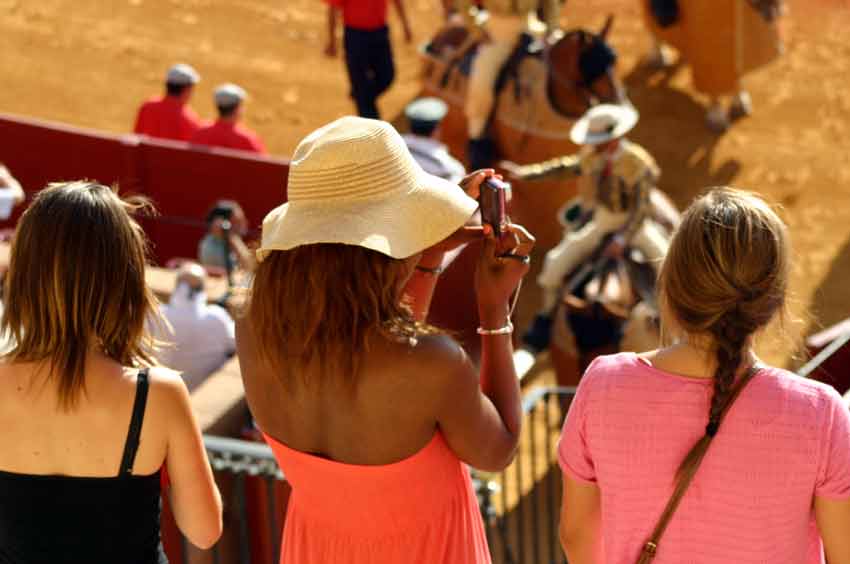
point(527, 46)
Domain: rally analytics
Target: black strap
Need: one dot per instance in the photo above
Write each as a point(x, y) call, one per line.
point(132, 443)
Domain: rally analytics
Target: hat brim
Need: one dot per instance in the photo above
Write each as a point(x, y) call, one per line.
point(398, 227)
point(627, 118)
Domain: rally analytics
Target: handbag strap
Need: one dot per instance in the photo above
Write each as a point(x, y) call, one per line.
point(684, 480)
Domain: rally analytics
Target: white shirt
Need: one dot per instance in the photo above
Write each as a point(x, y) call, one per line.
point(434, 158)
point(7, 202)
point(203, 336)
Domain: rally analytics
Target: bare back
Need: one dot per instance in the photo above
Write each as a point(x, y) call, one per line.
point(388, 414)
point(39, 438)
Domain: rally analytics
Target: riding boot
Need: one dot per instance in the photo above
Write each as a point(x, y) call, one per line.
point(539, 334)
point(481, 153)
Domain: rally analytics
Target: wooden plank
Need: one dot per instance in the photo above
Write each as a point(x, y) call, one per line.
point(219, 403)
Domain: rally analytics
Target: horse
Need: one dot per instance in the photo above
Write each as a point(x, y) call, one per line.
point(608, 305)
point(540, 98)
point(722, 40)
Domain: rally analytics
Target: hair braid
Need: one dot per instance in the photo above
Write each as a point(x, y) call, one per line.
point(730, 334)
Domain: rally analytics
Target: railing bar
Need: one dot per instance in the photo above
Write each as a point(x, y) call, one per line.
point(506, 545)
point(535, 518)
point(823, 355)
point(238, 447)
point(520, 507)
point(550, 492)
point(271, 484)
point(242, 512)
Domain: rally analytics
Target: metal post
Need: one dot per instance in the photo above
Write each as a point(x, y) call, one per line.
point(550, 493)
point(271, 484)
point(535, 518)
point(244, 540)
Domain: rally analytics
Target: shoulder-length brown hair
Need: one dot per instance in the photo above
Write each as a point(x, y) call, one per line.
point(76, 281)
point(322, 302)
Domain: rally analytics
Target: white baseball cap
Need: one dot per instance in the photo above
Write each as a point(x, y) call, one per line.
point(228, 95)
point(182, 75)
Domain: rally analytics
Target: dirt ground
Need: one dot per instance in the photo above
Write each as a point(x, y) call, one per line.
point(90, 63)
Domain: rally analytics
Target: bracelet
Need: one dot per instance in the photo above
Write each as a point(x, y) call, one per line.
point(506, 330)
point(436, 271)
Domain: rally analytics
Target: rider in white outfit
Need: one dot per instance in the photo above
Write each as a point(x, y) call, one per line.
point(506, 22)
point(616, 177)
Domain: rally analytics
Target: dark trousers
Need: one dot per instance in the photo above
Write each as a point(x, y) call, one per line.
point(369, 59)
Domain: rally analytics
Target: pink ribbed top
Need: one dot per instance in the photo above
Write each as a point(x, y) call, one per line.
point(421, 509)
point(784, 441)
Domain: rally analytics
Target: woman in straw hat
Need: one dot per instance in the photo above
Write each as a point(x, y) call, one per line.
point(372, 413)
point(697, 452)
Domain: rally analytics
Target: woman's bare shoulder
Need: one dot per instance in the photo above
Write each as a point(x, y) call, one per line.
point(167, 389)
point(440, 349)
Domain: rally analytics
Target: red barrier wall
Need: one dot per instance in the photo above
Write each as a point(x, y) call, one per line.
point(182, 180)
point(835, 369)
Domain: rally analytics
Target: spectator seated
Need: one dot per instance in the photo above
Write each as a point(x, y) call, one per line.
point(201, 335)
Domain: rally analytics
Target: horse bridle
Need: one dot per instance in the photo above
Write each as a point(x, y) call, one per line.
point(581, 85)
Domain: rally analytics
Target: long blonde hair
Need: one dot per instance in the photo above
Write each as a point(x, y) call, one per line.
point(76, 280)
point(725, 277)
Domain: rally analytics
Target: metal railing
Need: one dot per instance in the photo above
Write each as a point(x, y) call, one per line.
point(520, 505)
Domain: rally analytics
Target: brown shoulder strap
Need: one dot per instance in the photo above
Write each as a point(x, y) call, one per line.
point(651, 546)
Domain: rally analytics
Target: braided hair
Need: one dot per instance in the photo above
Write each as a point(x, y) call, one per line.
point(724, 277)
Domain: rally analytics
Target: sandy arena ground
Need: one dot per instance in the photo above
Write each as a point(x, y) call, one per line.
point(90, 63)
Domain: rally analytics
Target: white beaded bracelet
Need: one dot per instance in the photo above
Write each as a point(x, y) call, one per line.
point(506, 330)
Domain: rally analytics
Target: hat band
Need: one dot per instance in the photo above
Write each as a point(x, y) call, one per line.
point(607, 130)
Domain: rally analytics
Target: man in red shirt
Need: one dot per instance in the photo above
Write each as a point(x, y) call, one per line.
point(226, 131)
point(169, 116)
point(368, 54)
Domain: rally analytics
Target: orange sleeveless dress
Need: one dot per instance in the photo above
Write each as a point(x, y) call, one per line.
point(420, 509)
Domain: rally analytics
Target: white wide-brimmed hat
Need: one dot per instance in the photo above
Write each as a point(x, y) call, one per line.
point(354, 182)
point(603, 123)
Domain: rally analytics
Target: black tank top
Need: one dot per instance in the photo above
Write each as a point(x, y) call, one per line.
point(68, 519)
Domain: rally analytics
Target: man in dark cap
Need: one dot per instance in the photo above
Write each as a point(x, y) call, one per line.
point(425, 115)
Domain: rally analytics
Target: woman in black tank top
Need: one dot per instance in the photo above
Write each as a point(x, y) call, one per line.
point(81, 461)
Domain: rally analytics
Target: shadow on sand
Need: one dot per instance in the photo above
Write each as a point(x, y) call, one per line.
point(673, 129)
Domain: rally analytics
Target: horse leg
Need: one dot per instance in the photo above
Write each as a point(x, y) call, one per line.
point(480, 98)
point(717, 117)
point(567, 373)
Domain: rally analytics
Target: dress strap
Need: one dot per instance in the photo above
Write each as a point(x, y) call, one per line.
point(132, 443)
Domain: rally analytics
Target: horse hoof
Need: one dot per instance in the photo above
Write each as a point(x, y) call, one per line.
point(717, 119)
point(742, 105)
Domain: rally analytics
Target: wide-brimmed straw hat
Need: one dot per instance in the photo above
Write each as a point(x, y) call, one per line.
point(603, 123)
point(354, 182)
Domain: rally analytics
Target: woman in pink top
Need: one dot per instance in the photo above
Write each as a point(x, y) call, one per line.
point(373, 415)
point(774, 484)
